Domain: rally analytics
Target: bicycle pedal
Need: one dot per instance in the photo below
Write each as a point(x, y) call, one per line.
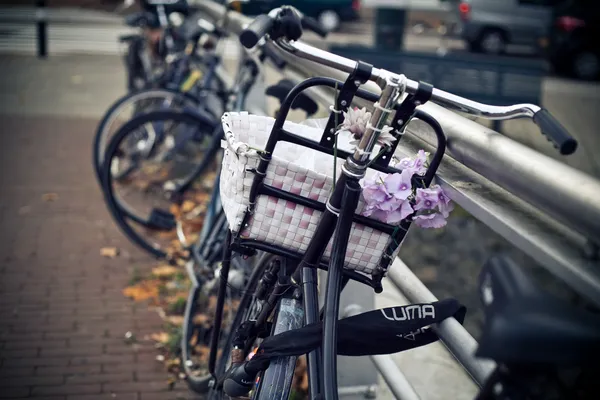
point(162, 220)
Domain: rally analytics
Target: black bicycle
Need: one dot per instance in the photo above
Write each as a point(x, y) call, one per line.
point(269, 201)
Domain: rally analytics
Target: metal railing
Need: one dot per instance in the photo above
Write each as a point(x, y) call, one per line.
point(545, 208)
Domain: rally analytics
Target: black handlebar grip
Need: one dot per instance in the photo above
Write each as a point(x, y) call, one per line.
point(256, 31)
point(273, 56)
point(313, 25)
point(555, 132)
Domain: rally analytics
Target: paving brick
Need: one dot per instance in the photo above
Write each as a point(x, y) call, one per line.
point(100, 378)
point(24, 352)
point(67, 389)
point(48, 397)
point(148, 386)
point(35, 362)
point(106, 396)
point(46, 344)
point(103, 359)
point(92, 350)
point(32, 381)
point(16, 372)
point(14, 393)
point(171, 395)
point(68, 370)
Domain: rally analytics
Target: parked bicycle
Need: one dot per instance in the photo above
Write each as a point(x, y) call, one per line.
point(306, 220)
point(140, 145)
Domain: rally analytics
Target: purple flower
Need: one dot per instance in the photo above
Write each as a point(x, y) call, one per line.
point(445, 205)
point(399, 185)
point(417, 165)
point(403, 210)
point(434, 220)
point(374, 190)
point(427, 199)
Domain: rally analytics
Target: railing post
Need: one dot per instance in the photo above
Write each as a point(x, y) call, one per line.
point(42, 28)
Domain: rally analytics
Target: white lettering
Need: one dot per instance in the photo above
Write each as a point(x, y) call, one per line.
point(410, 312)
point(428, 309)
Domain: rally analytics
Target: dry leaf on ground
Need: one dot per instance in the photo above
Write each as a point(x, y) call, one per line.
point(161, 337)
point(49, 197)
point(188, 206)
point(110, 252)
point(164, 271)
point(175, 320)
point(142, 291)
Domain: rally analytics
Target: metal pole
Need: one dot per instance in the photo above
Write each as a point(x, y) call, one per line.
point(385, 365)
point(42, 29)
point(454, 336)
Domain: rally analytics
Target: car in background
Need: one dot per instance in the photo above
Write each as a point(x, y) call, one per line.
point(574, 48)
point(489, 26)
point(329, 13)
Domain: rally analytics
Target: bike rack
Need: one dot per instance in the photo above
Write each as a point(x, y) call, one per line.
point(544, 207)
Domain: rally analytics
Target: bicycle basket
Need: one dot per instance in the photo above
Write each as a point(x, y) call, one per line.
point(292, 168)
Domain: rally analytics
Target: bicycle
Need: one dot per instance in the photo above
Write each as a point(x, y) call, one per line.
point(144, 64)
point(282, 319)
point(161, 218)
point(206, 252)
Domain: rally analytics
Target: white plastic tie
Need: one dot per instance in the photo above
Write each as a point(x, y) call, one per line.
point(332, 109)
point(378, 106)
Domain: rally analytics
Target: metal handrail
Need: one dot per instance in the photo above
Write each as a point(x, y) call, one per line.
point(572, 198)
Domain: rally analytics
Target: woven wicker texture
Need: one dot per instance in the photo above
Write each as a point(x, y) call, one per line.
point(294, 169)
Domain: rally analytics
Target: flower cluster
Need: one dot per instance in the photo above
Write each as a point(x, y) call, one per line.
point(390, 198)
point(355, 123)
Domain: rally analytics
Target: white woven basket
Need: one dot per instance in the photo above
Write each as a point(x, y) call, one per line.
point(294, 169)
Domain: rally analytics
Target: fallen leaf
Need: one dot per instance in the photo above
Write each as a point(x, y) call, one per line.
point(49, 197)
point(142, 291)
point(200, 319)
point(188, 206)
point(164, 271)
point(202, 351)
point(110, 252)
point(194, 339)
point(161, 337)
point(175, 320)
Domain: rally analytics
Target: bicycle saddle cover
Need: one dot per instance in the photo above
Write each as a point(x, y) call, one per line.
point(302, 101)
point(525, 325)
point(142, 19)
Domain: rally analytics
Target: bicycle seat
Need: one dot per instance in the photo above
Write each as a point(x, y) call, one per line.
point(130, 38)
point(141, 19)
point(524, 325)
point(281, 89)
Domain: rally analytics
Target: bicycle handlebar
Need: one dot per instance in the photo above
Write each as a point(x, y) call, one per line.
point(313, 25)
point(257, 29)
point(278, 29)
point(284, 22)
point(555, 132)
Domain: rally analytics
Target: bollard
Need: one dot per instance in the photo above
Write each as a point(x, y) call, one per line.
point(42, 28)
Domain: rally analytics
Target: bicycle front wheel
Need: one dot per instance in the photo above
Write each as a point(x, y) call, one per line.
point(149, 158)
point(128, 107)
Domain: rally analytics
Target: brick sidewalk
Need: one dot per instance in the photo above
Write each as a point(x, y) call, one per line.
point(62, 314)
